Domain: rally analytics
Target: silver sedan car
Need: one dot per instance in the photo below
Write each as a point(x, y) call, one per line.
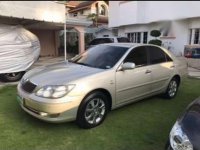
point(103, 78)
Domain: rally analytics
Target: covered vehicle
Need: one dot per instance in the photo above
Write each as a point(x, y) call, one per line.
point(19, 49)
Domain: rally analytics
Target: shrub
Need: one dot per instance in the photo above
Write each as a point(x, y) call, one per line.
point(155, 33)
point(156, 42)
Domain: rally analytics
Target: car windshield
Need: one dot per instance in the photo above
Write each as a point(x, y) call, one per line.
point(101, 56)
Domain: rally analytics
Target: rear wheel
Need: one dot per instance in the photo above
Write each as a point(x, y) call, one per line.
point(12, 77)
point(172, 89)
point(93, 110)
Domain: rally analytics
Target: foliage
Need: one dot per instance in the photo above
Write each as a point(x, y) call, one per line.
point(156, 42)
point(88, 37)
point(155, 33)
point(93, 17)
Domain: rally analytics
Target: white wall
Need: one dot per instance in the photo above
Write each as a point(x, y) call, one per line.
point(180, 28)
point(141, 12)
point(38, 10)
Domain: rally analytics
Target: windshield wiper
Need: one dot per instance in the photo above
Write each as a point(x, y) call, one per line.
point(82, 64)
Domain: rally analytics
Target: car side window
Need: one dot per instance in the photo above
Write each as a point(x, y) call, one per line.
point(156, 55)
point(138, 56)
point(101, 41)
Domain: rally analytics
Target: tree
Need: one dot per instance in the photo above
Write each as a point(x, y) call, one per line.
point(156, 34)
point(93, 18)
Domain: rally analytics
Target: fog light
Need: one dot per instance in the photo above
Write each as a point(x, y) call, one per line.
point(43, 114)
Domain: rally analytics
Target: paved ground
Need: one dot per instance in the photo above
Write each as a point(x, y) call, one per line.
point(193, 72)
point(193, 67)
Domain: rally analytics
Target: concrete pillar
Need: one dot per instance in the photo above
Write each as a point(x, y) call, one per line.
point(81, 39)
point(81, 42)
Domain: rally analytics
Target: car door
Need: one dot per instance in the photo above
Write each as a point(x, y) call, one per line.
point(132, 84)
point(161, 67)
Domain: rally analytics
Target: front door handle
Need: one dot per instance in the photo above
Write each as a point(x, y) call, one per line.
point(148, 71)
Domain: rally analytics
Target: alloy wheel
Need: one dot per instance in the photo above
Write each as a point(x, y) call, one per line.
point(172, 88)
point(95, 111)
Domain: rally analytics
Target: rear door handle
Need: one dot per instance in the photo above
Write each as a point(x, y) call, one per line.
point(148, 71)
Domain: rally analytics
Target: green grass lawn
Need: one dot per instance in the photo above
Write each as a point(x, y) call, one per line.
point(144, 125)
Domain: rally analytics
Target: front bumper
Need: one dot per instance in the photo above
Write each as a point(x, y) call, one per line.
point(49, 111)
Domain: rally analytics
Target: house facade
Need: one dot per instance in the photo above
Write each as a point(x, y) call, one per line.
point(81, 10)
point(179, 22)
point(77, 12)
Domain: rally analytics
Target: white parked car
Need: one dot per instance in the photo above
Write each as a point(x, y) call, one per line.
point(104, 40)
point(19, 49)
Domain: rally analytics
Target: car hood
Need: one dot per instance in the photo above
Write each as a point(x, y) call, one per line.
point(59, 74)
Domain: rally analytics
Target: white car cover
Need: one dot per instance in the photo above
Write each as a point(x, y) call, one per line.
point(19, 49)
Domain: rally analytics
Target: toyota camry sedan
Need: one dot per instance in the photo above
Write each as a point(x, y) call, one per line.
point(103, 78)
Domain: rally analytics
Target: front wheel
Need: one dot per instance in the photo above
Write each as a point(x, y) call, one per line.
point(172, 89)
point(12, 77)
point(93, 110)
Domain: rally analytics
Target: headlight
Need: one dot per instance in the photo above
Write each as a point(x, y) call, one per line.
point(178, 139)
point(54, 91)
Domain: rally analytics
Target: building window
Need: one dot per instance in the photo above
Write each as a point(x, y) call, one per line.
point(194, 36)
point(138, 37)
point(135, 37)
point(102, 10)
point(145, 36)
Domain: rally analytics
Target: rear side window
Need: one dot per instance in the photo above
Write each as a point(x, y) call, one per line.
point(138, 56)
point(123, 40)
point(157, 55)
point(101, 41)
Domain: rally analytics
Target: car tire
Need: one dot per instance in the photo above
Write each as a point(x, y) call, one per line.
point(172, 89)
point(12, 77)
point(92, 110)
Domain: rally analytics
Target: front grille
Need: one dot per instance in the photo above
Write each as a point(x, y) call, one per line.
point(28, 87)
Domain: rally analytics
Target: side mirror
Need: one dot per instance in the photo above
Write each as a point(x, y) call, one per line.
point(128, 66)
